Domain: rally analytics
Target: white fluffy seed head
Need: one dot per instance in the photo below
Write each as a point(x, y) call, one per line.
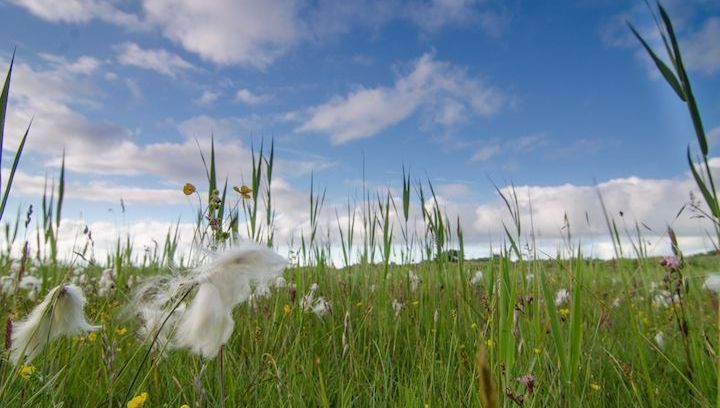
point(227, 280)
point(712, 283)
point(561, 297)
point(60, 314)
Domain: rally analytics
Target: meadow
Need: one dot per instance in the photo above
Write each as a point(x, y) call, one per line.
point(405, 320)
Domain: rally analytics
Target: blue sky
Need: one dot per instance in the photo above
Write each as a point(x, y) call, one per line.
point(549, 95)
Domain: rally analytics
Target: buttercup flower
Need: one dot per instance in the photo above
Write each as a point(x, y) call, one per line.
point(138, 400)
point(189, 189)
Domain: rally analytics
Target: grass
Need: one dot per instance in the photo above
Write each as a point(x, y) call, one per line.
point(586, 352)
point(631, 332)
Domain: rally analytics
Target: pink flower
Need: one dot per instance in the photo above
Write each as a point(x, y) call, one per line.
point(671, 263)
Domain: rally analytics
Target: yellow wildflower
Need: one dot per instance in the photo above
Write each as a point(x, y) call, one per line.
point(489, 343)
point(138, 400)
point(244, 191)
point(358, 304)
point(121, 331)
point(189, 189)
point(286, 309)
point(536, 350)
point(595, 387)
point(564, 312)
point(26, 371)
point(184, 406)
point(91, 337)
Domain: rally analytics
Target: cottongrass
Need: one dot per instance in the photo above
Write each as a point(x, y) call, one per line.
point(31, 284)
point(397, 307)
point(477, 279)
point(414, 280)
point(107, 282)
point(561, 297)
point(660, 339)
point(226, 281)
point(60, 314)
point(712, 282)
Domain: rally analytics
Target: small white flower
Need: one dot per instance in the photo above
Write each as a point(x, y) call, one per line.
point(321, 306)
point(397, 307)
point(712, 282)
point(414, 280)
point(616, 302)
point(131, 280)
point(107, 282)
point(660, 339)
point(477, 279)
point(664, 299)
point(280, 282)
point(59, 314)
point(8, 285)
point(32, 285)
point(561, 297)
point(259, 292)
point(308, 301)
point(529, 277)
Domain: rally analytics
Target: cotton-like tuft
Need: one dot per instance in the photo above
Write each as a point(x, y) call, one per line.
point(32, 285)
point(224, 282)
point(60, 314)
point(712, 282)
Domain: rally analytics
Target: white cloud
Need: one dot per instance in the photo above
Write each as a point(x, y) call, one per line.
point(157, 60)
point(436, 86)
point(34, 186)
point(256, 33)
point(226, 32)
point(695, 22)
point(246, 96)
point(486, 152)
point(454, 190)
point(50, 95)
point(436, 14)
point(702, 50)
point(79, 11)
point(208, 98)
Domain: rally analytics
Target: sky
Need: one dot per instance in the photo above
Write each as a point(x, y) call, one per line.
point(554, 97)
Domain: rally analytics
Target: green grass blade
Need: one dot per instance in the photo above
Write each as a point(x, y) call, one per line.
point(16, 161)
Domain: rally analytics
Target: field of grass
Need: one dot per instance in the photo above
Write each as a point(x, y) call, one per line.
point(451, 343)
point(407, 320)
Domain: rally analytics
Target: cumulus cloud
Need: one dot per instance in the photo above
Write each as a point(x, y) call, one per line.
point(34, 186)
point(486, 153)
point(80, 11)
point(435, 14)
point(695, 22)
point(702, 50)
point(435, 86)
point(248, 97)
point(55, 92)
point(208, 98)
point(157, 60)
point(51, 95)
point(256, 33)
point(226, 32)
